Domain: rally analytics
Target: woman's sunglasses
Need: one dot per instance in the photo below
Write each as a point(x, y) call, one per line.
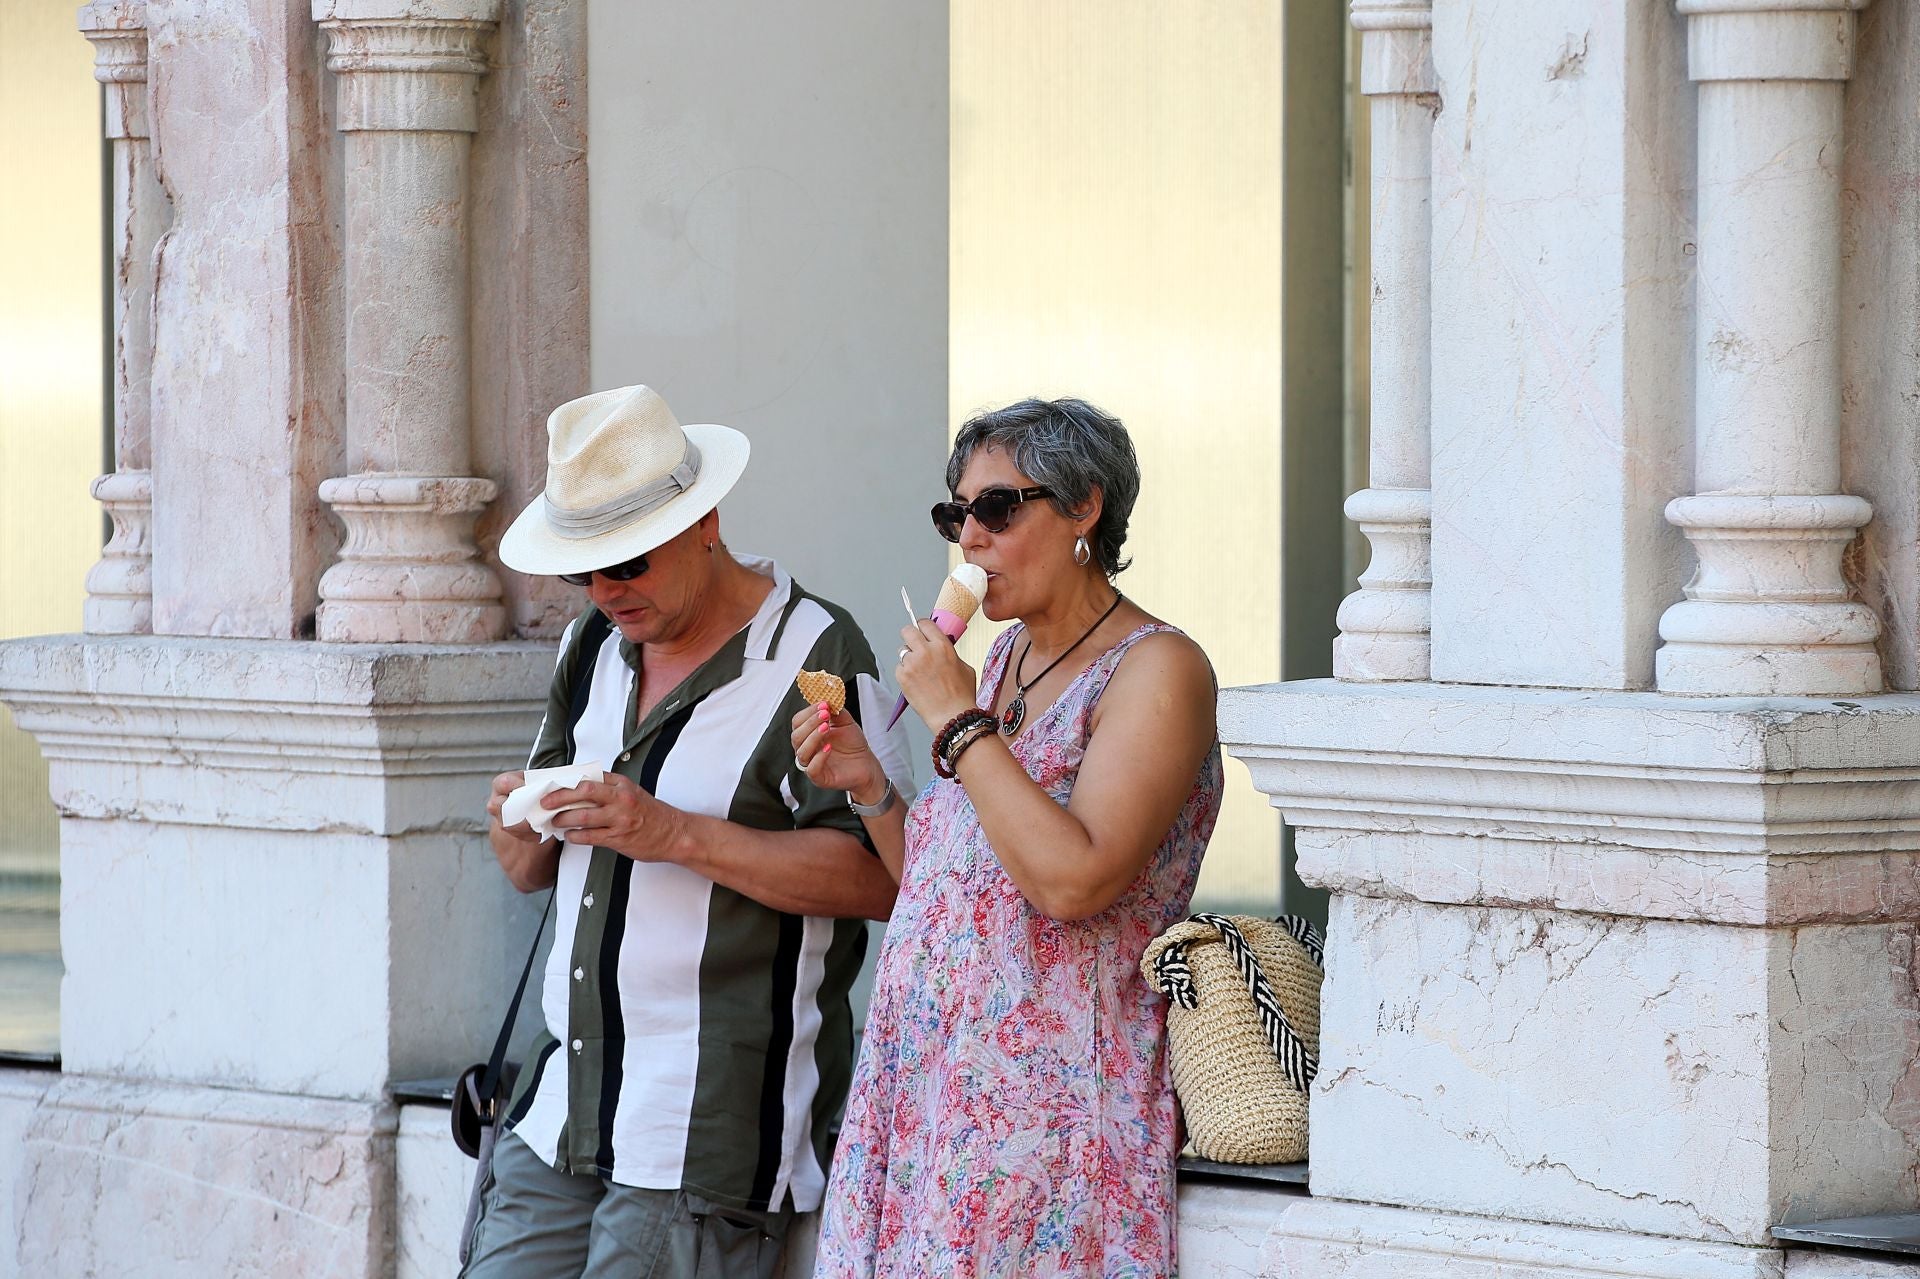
point(992, 510)
point(617, 573)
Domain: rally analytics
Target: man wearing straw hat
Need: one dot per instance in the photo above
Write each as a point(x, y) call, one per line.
point(708, 898)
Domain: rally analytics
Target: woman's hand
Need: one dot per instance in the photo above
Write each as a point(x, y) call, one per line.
point(937, 683)
point(835, 755)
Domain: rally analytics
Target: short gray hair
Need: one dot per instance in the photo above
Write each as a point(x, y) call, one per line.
point(1072, 448)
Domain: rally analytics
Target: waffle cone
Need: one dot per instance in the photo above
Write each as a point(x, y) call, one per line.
point(960, 593)
point(823, 686)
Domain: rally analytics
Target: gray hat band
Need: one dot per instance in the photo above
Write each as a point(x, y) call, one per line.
point(623, 510)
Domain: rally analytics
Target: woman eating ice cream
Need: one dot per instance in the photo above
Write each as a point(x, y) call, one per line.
point(1012, 1111)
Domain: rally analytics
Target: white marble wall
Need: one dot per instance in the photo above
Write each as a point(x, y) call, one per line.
point(130, 1179)
point(1665, 1078)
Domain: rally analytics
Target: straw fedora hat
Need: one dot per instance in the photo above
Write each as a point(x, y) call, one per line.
point(623, 477)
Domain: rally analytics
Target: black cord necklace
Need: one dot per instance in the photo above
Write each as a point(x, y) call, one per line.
point(1016, 712)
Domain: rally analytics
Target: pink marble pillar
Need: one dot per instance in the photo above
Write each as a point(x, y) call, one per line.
point(1385, 625)
point(409, 571)
point(1769, 612)
point(120, 585)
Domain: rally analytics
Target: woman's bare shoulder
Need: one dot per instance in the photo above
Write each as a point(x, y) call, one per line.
point(1165, 662)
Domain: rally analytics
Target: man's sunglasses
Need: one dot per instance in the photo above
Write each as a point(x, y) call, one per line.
point(992, 510)
point(617, 573)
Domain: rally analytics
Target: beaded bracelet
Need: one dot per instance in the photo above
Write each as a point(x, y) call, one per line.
point(943, 739)
point(961, 740)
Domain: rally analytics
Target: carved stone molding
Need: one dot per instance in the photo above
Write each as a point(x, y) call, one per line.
point(1385, 625)
point(1768, 611)
point(1739, 812)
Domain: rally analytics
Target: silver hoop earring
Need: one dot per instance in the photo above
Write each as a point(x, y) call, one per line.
point(1081, 552)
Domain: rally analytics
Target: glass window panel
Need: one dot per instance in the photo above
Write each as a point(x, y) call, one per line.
point(50, 426)
point(1115, 233)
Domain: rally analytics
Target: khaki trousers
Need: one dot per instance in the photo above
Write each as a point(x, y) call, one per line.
point(536, 1223)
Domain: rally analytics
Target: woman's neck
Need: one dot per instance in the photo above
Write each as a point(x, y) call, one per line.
point(1055, 629)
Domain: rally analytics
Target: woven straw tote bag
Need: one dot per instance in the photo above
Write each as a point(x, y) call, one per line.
point(1243, 1031)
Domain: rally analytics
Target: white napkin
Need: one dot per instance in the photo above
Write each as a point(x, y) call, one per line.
point(524, 804)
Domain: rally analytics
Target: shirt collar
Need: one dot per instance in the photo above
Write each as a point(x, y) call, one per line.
point(764, 629)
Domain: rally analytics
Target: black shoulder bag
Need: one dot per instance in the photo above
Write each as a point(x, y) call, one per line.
point(481, 1094)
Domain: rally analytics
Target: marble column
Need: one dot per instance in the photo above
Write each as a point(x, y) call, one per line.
point(1384, 625)
point(1769, 610)
point(409, 571)
point(120, 587)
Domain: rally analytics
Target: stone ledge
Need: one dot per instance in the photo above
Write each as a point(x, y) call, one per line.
point(1748, 811)
point(1369, 1241)
point(275, 734)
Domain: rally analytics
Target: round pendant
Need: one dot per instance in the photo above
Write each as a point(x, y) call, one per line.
point(1012, 717)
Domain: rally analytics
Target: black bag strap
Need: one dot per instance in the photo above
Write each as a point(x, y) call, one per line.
point(593, 631)
point(1174, 975)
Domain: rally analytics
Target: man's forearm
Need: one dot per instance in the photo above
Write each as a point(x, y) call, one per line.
point(529, 866)
point(817, 871)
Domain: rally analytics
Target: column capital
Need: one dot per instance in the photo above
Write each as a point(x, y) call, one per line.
point(117, 29)
point(1396, 46)
point(1770, 39)
point(407, 67)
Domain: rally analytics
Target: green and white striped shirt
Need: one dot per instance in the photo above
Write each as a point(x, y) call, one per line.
point(695, 1038)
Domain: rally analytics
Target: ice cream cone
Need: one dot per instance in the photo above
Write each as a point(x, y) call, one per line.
point(960, 597)
point(823, 686)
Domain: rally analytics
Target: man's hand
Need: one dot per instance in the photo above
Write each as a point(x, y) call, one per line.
point(530, 859)
point(620, 816)
point(503, 786)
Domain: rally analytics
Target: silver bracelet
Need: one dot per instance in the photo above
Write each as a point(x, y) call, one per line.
point(879, 807)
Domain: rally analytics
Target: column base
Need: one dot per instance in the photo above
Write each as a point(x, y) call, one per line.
point(1752, 670)
point(409, 572)
point(1768, 614)
point(120, 586)
point(127, 1178)
point(1381, 658)
point(1385, 625)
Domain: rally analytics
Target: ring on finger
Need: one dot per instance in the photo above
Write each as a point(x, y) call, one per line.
point(904, 650)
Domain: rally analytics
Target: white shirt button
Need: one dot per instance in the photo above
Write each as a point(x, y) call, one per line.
point(577, 1045)
point(579, 974)
point(588, 901)
point(625, 757)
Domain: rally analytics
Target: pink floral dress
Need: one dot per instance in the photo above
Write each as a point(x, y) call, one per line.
point(1012, 1112)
